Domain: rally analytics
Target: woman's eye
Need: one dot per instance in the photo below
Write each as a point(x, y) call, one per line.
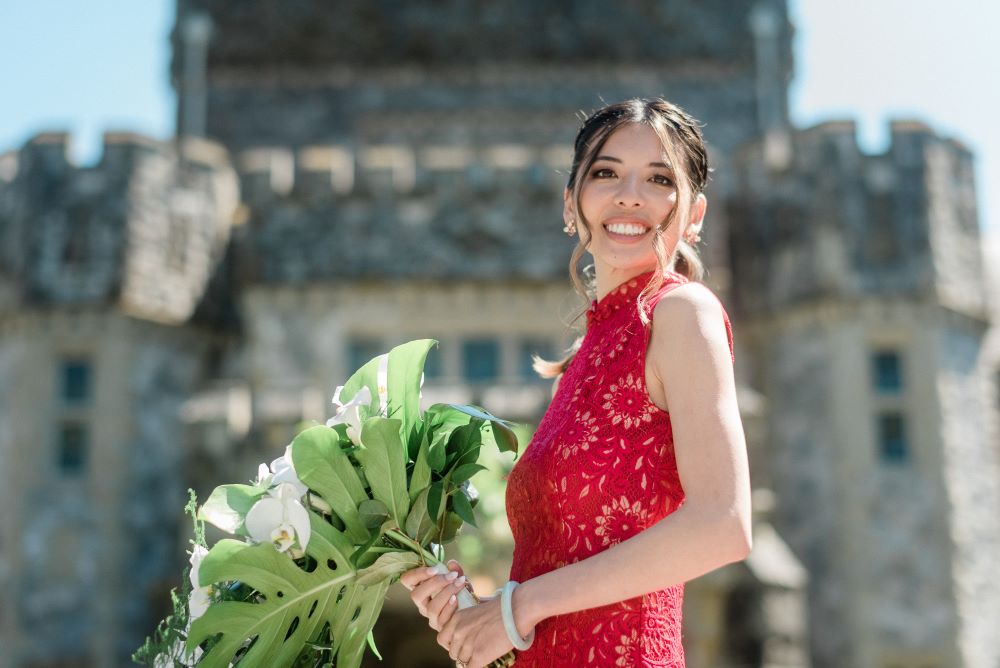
point(663, 180)
point(603, 173)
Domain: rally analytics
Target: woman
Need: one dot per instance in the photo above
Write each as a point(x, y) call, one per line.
point(617, 502)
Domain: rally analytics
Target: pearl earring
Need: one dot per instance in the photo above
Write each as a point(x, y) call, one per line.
point(570, 227)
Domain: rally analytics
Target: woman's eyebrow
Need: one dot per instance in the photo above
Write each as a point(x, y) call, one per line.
point(613, 159)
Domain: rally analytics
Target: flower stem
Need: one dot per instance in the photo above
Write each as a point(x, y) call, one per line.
point(401, 537)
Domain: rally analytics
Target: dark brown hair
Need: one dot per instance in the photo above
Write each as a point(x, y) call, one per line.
point(684, 146)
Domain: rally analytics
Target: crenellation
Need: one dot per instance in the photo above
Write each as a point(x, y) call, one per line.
point(113, 232)
point(322, 173)
point(8, 166)
point(901, 222)
point(46, 153)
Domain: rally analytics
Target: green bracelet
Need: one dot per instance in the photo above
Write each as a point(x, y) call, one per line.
point(508, 619)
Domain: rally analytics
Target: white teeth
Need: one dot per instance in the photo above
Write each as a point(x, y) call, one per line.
point(626, 228)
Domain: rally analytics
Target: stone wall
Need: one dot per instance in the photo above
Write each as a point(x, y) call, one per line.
point(838, 222)
point(143, 229)
point(267, 33)
point(971, 469)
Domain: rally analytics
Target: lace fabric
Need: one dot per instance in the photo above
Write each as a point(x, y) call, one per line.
point(600, 469)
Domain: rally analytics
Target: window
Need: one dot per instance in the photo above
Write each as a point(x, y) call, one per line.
point(76, 379)
point(481, 359)
point(360, 351)
point(530, 347)
point(892, 438)
point(887, 371)
point(72, 452)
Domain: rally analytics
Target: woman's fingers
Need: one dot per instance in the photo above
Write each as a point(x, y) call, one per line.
point(429, 588)
point(443, 605)
point(415, 576)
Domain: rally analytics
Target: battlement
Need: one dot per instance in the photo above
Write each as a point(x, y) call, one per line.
point(905, 135)
point(269, 172)
point(903, 220)
point(47, 153)
point(143, 228)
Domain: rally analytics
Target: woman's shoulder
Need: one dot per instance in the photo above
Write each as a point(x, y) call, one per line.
point(690, 309)
point(687, 296)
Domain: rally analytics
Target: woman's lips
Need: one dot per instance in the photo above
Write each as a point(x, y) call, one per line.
point(626, 230)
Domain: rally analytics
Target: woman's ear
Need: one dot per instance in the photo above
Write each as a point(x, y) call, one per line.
point(697, 216)
point(569, 213)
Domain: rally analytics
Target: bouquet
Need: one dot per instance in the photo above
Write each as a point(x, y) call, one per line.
point(326, 528)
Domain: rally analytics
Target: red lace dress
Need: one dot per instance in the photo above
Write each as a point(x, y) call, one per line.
point(599, 470)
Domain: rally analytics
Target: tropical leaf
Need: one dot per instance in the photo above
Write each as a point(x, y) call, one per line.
point(325, 468)
point(384, 458)
point(421, 476)
point(228, 505)
point(373, 513)
point(464, 444)
point(295, 605)
point(420, 525)
point(387, 566)
point(502, 436)
point(463, 508)
point(406, 366)
point(502, 432)
point(366, 376)
point(462, 473)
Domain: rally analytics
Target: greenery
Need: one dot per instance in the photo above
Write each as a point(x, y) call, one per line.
point(322, 534)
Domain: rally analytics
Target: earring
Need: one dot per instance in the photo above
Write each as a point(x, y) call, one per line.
point(570, 227)
point(692, 238)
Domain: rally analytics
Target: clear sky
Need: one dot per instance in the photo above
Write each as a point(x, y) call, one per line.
point(91, 66)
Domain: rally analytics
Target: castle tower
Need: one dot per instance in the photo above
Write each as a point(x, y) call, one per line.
point(101, 270)
point(402, 172)
point(861, 303)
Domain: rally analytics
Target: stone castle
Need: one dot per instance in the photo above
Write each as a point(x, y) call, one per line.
point(344, 179)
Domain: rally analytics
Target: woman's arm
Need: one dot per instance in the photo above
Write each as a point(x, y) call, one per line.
point(689, 353)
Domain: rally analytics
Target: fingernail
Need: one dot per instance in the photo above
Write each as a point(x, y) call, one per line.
point(460, 581)
point(431, 571)
point(452, 599)
point(452, 575)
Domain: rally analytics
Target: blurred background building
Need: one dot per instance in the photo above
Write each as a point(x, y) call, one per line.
point(345, 178)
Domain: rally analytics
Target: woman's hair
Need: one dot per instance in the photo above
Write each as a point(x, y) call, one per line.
point(684, 146)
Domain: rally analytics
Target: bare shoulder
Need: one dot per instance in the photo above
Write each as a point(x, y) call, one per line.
point(688, 322)
point(685, 306)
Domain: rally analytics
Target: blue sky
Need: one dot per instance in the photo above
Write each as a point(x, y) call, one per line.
point(87, 67)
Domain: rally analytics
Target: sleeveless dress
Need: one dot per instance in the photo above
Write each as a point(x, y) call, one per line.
point(600, 469)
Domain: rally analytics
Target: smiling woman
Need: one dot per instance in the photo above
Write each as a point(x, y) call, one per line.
point(617, 502)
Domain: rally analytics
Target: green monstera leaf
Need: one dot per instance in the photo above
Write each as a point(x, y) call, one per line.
point(387, 486)
point(403, 367)
point(294, 606)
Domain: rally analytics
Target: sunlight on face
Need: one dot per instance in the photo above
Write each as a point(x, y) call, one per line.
point(627, 193)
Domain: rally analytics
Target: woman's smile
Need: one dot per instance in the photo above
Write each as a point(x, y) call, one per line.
point(626, 229)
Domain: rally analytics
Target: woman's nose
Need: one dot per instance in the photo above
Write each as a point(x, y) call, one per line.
point(628, 195)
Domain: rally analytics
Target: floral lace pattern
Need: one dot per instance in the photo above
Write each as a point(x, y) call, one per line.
point(600, 469)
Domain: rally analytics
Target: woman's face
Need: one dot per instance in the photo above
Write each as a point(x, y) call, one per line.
point(627, 193)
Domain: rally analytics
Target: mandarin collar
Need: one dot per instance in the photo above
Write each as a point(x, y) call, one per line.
point(622, 294)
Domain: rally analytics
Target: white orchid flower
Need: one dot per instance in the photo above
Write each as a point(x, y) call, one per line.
point(349, 414)
point(264, 476)
point(283, 471)
point(200, 596)
point(280, 518)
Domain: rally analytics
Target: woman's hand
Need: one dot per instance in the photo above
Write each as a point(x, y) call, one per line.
point(476, 636)
point(435, 595)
